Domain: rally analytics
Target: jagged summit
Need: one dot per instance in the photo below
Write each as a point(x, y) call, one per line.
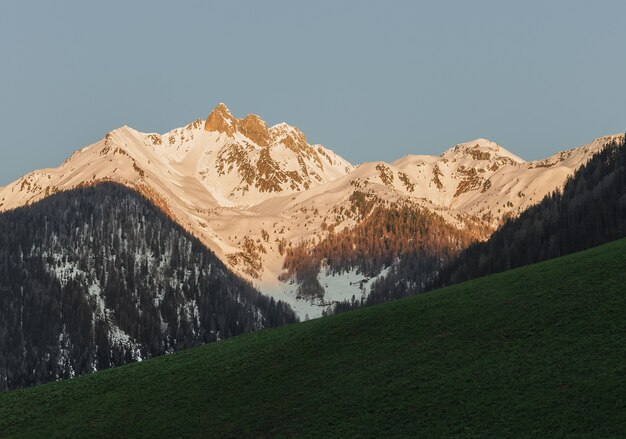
point(220, 120)
point(254, 128)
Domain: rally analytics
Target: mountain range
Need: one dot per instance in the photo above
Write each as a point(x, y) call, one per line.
point(296, 219)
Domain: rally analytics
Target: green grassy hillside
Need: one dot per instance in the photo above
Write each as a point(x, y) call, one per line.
point(535, 352)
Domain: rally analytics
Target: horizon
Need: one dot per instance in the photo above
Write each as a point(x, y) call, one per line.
point(418, 82)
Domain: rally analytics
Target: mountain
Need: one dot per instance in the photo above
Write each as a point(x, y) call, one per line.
point(532, 352)
point(415, 216)
point(207, 176)
point(590, 210)
point(268, 203)
point(210, 164)
point(483, 179)
point(98, 277)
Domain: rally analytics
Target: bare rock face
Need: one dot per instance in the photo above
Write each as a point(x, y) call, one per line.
point(253, 127)
point(221, 120)
point(290, 137)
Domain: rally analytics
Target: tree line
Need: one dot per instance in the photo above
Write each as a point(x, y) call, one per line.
point(386, 234)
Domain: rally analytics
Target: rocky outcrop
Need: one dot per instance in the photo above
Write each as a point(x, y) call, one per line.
point(254, 128)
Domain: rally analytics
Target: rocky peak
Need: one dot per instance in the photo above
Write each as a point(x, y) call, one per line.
point(255, 129)
point(220, 120)
point(289, 136)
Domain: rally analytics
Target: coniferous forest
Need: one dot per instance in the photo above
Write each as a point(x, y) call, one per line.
point(385, 234)
point(98, 277)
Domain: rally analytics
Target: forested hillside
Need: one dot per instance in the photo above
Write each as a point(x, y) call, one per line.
point(536, 352)
point(98, 276)
point(384, 232)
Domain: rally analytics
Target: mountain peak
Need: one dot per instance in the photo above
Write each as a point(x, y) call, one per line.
point(255, 129)
point(251, 126)
point(481, 149)
point(220, 120)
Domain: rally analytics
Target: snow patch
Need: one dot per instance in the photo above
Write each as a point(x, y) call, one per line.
point(337, 288)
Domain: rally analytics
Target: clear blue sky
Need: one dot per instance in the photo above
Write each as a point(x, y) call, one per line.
point(371, 80)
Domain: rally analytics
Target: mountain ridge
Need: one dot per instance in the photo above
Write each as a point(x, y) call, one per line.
point(247, 190)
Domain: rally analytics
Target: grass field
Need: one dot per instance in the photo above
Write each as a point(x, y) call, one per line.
point(534, 352)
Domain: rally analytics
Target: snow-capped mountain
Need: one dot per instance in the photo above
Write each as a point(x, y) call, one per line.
point(227, 162)
point(482, 179)
point(249, 192)
point(208, 176)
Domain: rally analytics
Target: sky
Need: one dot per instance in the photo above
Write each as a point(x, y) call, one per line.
point(372, 80)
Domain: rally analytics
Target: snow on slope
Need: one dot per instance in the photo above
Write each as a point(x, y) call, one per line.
point(482, 179)
point(339, 288)
point(248, 191)
point(206, 177)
